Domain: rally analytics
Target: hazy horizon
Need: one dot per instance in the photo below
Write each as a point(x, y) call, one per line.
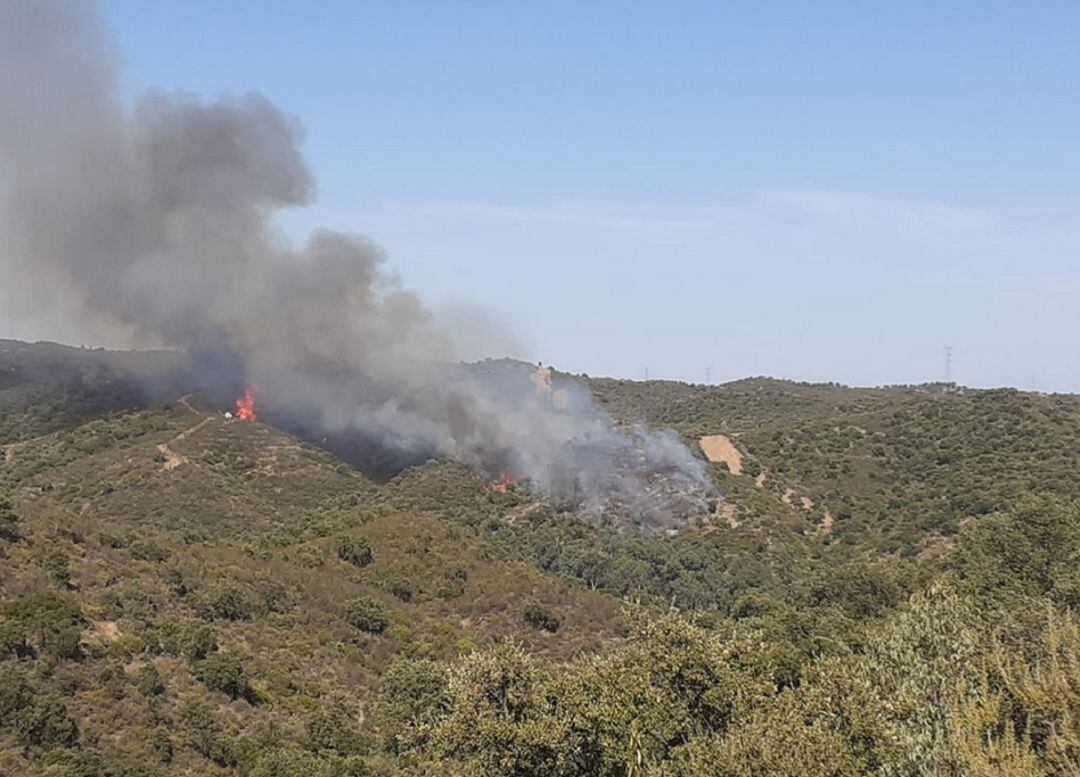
point(631, 378)
point(825, 194)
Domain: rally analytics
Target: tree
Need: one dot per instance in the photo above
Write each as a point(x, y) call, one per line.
point(926, 660)
point(49, 621)
point(208, 736)
point(541, 618)
point(46, 723)
point(15, 694)
point(55, 563)
point(354, 550)
point(149, 681)
point(412, 694)
point(289, 762)
point(367, 615)
point(332, 728)
point(9, 520)
point(401, 587)
point(225, 672)
point(499, 722)
point(196, 642)
point(1023, 718)
point(228, 601)
point(1029, 551)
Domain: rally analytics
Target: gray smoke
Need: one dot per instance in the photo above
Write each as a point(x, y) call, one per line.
point(156, 221)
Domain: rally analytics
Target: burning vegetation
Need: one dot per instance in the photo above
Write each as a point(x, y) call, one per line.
point(245, 406)
point(506, 479)
point(182, 248)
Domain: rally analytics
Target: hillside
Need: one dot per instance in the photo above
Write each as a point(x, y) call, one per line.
point(897, 469)
point(185, 593)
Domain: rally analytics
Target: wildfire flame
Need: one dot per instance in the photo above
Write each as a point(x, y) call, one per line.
point(506, 479)
point(245, 406)
point(541, 380)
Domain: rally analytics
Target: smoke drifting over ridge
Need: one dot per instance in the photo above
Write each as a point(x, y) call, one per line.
point(158, 220)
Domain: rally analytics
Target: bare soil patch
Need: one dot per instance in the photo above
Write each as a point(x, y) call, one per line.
point(719, 447)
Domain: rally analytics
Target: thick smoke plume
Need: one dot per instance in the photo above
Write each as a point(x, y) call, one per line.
point(157, 220)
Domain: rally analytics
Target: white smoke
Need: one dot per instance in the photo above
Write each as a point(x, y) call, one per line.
point(157, 222)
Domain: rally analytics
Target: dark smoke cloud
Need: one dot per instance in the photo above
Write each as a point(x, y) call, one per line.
point(157, 221)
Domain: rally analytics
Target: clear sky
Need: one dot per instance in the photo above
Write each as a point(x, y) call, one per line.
point(813, 190)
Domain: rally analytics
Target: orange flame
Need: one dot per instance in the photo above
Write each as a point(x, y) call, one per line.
point(245, 406)
point(506, 479)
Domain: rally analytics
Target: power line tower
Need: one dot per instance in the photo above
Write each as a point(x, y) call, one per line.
point(948, 363)
point(708, 376)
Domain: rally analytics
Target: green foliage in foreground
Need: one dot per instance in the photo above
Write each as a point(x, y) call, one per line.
point(933, 693)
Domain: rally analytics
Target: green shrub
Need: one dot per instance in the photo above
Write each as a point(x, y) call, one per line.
point(274, 595)
point(401, 587)
point(226, 601)
point(541, 618)
point(51, 621)
point(88, 763)
point(367, 615)
point(354, 550)
point(332, 728)
point(9, 520)
point(197, 641)
point(193, 641)
point(452, 585)
point(412, 695)
point(291, 762)
point(224, 672)
point(55, 562)
point(162, 744)
point(46, 723)
point(107, 540)
point(309, 557)
point(15, 695)
point(114, 681)
point(149, 681)
point(148, 551)
point(208, 737)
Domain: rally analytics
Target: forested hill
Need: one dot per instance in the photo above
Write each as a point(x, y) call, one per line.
point(896, 468)
point(886, 588)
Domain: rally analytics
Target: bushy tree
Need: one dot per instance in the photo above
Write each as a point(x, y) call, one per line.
point(226, 601)
point(541, 618)
point(149, 681)
point(412, 695)
point(354, 550)
point(832, 724)
point(1028, 552)
point(15, 694)
point(926, 659)
point(1023, 720)
point(44, 621)
point(401, 587)
point(498, 721)
point(196, 642)
point(366, 614)
point(226, 673)
point(46, 723)
point(332, 728)
point(208, 737)
point(9, 520)
point(55, 562)
point(89, 763)
point(630, 708)
point(292, 762)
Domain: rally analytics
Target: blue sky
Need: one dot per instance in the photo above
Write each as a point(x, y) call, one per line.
point(821, 191)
